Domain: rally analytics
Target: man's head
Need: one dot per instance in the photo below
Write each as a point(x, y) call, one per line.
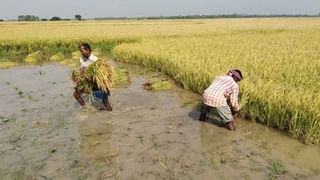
point(235, 74)
point(85, 50)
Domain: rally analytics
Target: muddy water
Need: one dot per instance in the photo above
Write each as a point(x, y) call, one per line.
point(44, 134)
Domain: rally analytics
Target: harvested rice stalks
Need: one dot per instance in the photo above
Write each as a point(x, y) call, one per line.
point(98, 73)
point(102, 75)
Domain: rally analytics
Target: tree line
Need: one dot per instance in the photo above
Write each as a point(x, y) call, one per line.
point(209, 16)
point(36, 18)
point(79, 17)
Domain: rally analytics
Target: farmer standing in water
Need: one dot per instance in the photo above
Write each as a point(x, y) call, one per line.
point(217, 94)
point(85, 61)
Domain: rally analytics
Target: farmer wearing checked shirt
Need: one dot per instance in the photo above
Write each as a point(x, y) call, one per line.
point(215, 98)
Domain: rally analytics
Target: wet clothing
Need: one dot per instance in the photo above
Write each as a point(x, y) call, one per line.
point(85, 62)
point(223, 112)
point(220, 89)
point(98, 93)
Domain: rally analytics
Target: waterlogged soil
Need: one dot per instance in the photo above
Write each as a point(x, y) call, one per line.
point(44, 134)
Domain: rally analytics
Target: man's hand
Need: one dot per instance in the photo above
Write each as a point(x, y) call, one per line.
point(82, 70)
point(236, 114)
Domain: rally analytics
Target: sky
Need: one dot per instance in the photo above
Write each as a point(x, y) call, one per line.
point(10, 9)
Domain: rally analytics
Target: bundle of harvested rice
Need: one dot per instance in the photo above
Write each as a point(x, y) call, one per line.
point(102, 75)
point(98, 73)
point(82, 81)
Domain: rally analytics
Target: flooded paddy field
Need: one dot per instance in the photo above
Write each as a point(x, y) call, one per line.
point(150, 134)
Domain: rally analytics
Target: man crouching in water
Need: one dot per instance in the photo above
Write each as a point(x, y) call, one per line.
point(87, 59)
point(216, 95)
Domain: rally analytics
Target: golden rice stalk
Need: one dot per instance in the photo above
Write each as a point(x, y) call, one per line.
point(103, 75)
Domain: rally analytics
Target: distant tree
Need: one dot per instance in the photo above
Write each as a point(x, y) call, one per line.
point(28, 18)
point(21, 18)
point(78, 17)
point(1, 20)
point(44, 19)
point(55, 18)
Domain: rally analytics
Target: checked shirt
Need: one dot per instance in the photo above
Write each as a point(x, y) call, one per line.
point(221, 88)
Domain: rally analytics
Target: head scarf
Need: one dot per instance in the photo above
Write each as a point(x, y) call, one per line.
point(234, 73)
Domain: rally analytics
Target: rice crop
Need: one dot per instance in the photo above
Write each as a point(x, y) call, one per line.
point(280, 58)
point(281, 70)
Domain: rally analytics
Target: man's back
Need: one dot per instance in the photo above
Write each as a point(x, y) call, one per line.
point(221, 88)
